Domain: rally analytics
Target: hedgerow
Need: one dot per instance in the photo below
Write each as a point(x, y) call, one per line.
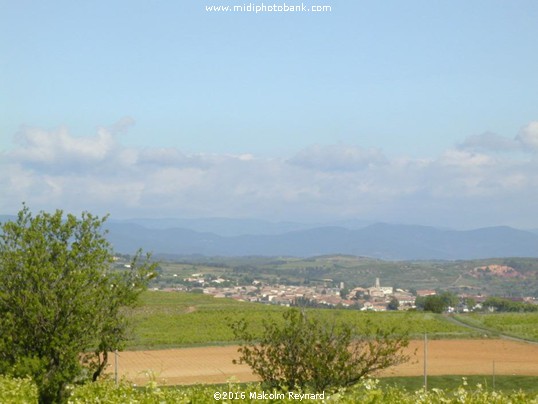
point(18, 391)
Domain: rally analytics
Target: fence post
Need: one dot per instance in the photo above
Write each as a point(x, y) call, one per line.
point(116, 366)
point(493, 374)
point(425, 361)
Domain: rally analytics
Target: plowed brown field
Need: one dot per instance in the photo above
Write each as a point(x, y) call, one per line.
point(445, 357)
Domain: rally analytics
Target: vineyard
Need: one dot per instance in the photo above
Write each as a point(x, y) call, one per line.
point(172, 319)
point(520, 325)
point(178, 320)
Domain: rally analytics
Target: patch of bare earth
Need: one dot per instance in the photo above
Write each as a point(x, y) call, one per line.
point(502, 271)
point(445, 357)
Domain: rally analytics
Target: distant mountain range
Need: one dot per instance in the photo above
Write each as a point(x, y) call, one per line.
point(238, 227)
point(235, 237)
point(378, 240)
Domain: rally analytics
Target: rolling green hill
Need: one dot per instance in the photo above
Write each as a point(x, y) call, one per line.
point(175, 319)
point(456, 276)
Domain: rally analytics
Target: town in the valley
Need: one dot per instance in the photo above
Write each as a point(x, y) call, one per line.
point(326, 294)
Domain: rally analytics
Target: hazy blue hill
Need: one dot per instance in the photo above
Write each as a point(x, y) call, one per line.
point(389, 241)
point(386, 241)
point(318, 241)
point(128, 237)
point(379, 240)
point(503, 240)
point(420, 242)
point(221, 226)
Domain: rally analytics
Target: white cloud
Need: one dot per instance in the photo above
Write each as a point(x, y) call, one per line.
point(122, 125)
point(54, 169)
point(60, 147)
point(528, 136)
point(162, 156)
point(489, 141)
point(338, 158)
point(526, 140)
point(465, 159)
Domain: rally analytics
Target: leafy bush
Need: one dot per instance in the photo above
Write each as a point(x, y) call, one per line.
point(310, 354)
point(367, 391)
point(17, 391)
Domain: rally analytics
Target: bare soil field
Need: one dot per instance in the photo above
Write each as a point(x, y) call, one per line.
point(445, 357)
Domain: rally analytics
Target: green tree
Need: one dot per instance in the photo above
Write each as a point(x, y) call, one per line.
point(469, 302)
point(419, 302)
point(306, 353)
point(435, 304)
point(506, 305)
point(450, 299)
point(394, 304)
point(344, 292)
point(62, 306)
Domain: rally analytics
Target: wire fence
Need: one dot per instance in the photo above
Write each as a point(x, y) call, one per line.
point(214, 364)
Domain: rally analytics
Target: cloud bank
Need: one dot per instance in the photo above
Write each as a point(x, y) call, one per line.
point(485, 180)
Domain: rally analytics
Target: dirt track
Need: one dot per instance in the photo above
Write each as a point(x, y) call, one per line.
point(445, 357)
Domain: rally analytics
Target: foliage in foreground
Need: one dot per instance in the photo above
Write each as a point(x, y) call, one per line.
point(18, 391)
point(59, 297)
point(305, 352)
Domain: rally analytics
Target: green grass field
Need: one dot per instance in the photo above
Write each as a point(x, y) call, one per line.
point(521, 325)
point(175, 319)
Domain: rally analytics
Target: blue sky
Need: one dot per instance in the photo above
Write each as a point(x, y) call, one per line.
point(403, 111)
